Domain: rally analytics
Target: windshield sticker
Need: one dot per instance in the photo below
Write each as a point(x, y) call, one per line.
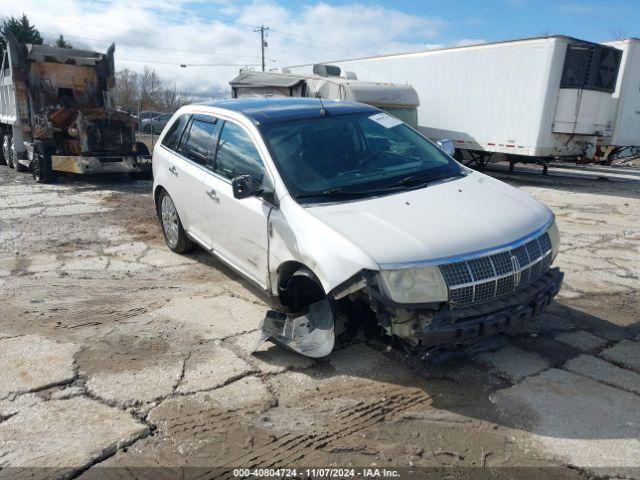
point(386, 120)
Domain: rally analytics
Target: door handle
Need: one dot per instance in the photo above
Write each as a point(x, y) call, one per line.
point(213, 195)
point(173, 170)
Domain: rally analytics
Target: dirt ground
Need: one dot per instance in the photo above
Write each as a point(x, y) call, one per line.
point(115, 352)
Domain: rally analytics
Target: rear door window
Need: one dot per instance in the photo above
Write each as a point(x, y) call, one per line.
point(198, 143)
point(172, 138)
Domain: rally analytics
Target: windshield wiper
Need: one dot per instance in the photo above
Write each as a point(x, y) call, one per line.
point(336, 192)
point(417, 179)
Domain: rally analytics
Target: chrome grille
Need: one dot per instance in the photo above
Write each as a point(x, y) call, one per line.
point(485, 278)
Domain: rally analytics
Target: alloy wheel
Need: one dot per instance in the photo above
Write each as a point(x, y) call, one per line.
point(170, 221)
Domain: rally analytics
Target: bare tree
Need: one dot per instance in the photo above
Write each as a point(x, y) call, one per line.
point(171, 98)
point(147, 91)
point(127, 90)
point(149, 86)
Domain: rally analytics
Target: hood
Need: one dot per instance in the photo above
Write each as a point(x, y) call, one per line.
point(447, 219)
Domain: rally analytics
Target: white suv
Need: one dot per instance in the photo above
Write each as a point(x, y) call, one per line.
point(342, 214)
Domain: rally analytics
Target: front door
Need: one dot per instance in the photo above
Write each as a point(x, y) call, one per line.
point(238, 227)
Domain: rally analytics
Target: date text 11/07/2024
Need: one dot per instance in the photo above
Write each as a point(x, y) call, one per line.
point(316, 473)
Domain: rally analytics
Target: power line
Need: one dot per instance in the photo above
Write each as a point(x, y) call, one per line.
point(184, 65)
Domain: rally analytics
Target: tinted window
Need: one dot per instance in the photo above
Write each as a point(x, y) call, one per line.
point(237, 154)
point(172, 137)
point(198, 145)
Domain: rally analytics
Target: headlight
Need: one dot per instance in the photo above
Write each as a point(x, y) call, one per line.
point(554, 237)
point(414, 285)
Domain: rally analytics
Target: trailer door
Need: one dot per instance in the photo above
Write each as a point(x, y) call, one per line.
point(588, 80)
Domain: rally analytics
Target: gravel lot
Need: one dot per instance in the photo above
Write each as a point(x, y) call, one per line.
point(116, 352)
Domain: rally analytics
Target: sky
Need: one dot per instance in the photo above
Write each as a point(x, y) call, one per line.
point(215, 38)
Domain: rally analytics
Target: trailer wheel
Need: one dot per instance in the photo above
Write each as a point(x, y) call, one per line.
point(41, 166)
point(7, 151)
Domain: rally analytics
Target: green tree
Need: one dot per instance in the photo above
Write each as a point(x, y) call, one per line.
point(62, 42)
point(22, 29)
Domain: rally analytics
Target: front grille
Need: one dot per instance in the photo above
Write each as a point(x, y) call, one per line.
point(486, 278)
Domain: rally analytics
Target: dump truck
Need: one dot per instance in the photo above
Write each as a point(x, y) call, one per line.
point(57, 114)
point(327, 82)
point(532, 99)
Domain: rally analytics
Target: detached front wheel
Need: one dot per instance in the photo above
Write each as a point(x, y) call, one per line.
point(174, 234)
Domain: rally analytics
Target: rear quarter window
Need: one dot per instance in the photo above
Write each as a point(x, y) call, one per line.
point(172, 138)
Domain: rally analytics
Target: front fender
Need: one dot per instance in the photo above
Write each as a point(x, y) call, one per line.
point(298, 236)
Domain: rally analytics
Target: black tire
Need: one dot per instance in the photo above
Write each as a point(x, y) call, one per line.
point(144, 175)
point(19, 166)
point(142, 149)
point(3, 160)
point(146, 128)
point(41, 166)
point(7, 151)
point(176, 239)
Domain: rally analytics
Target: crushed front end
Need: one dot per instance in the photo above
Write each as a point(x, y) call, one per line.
point(467, 299)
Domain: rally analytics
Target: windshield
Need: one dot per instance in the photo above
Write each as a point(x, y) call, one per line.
point(353, 155)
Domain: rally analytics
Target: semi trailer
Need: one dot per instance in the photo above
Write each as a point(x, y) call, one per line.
point(57, 114)
point(329, 82)
point(530, 99)
point(625, 105)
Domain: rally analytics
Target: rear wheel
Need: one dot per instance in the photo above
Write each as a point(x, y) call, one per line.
point(19, 166)
point(41, 168)
point(142, 149)
point(174, 234)
point(7, 150)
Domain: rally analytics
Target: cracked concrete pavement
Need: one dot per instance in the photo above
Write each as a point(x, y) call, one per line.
point(117, 352)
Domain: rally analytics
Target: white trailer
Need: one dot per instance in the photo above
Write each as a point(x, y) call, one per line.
point(535, 98)
point(327, 82)
point(625, 102)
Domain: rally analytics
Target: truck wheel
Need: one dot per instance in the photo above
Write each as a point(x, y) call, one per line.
point(41, 169)
point(142, 149)
point(174, 234)
point(7, 151)
point(19, 166)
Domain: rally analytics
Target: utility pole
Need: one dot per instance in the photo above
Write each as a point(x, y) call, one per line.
point(263, 44)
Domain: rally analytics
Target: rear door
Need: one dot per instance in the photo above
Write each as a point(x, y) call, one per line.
point(187, 173)
point(238, 227)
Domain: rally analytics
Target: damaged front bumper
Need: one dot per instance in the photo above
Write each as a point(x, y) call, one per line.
point(101, 164)
point(468, 325)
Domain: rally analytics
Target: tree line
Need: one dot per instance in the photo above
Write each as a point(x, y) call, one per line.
point(147, 91)
point(26, 32)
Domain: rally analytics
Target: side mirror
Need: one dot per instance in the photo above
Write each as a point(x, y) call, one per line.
point(244, 187)
point(447, 146)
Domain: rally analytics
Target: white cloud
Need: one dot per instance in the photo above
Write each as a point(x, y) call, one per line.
point(165, 35)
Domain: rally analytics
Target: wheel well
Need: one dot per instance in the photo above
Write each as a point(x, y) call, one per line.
point(298, 286)
point(159, 189)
